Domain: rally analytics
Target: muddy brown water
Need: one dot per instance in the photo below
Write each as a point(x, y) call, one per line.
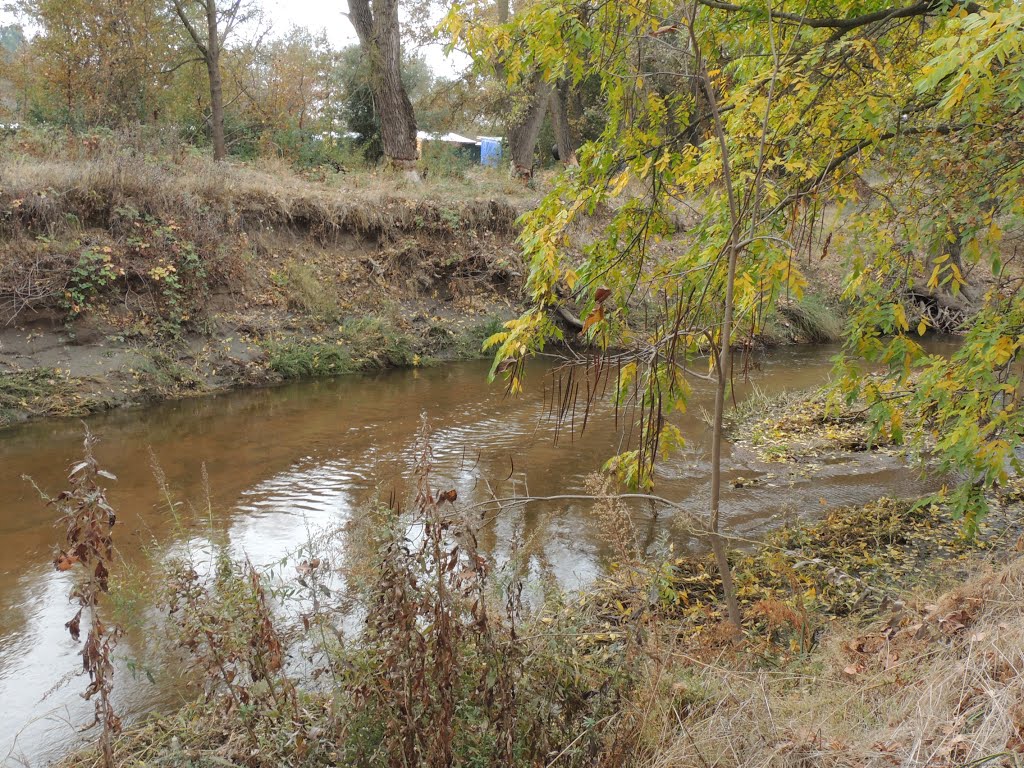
point(286, 461)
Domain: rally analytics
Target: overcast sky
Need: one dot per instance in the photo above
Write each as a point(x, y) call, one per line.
point(314, 15)
point(328, 15)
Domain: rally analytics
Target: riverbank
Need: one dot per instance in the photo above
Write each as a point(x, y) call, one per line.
point(878, 636)
point(411, 631)
point(130, 275)
point(127, 278)
point(261, 468)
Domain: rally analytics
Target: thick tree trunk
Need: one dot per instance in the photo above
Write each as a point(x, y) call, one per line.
point(523, 133)
point(559, 102)
point(376, 24)
point(220, 150)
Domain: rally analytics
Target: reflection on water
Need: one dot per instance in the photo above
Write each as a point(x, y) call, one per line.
point(284, 462)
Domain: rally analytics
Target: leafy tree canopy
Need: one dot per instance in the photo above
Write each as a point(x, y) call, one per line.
point(898, 120)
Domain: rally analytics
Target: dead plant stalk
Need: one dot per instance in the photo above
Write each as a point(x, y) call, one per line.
point(87, 552)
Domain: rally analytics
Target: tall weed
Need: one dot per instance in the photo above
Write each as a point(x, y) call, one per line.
point(425, 655)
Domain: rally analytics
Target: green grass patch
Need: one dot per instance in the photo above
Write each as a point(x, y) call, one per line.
point(364, 344)
point(308, 293)
point(159, 374)
point(299, 360)
point(813, 319)
point(472, 344)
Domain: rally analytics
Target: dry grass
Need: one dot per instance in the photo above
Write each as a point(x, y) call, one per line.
point(939, 684)
point(335, 238)
point(85, 187)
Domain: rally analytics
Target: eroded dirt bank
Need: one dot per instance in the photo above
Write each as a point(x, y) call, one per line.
point(124, 281)
point(127, 278)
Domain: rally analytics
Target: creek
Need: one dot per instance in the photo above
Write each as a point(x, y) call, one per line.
point(281, 463)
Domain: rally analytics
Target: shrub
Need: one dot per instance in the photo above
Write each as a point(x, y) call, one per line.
point(442, 161)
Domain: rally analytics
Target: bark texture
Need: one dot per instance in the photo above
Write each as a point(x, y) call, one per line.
point(523, 132)
point(559, 106)
point(376, 24)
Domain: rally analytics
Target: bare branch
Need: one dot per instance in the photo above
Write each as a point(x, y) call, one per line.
point(179, 10)
point(917, 9)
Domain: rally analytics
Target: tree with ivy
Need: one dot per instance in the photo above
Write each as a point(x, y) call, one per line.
point(749, 119)
point(355, 106)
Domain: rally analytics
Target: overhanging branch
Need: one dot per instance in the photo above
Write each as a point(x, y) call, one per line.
point(843, 24)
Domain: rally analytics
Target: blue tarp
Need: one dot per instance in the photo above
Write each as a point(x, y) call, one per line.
point(490, 152)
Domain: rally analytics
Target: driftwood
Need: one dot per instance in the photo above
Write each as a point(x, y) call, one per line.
point(570, 319)
point(943, 311)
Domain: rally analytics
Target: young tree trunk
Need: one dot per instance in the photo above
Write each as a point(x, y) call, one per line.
point(723, 359)
point(209, 46)
point(559, 106)
point(522, 135)
point(376, 24)
point(723, 371)
point(220, 150)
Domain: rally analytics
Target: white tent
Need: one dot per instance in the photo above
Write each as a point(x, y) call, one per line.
point(447, 138)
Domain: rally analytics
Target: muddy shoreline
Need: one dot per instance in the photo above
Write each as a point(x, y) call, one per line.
point(53, 372)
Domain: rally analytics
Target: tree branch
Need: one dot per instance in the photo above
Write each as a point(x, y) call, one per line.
point(179, 10)
point(176, 67)
point(917, 9)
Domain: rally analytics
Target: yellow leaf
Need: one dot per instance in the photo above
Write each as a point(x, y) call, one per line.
point(620, 181)
point(1004, 350)
point(900, 317)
